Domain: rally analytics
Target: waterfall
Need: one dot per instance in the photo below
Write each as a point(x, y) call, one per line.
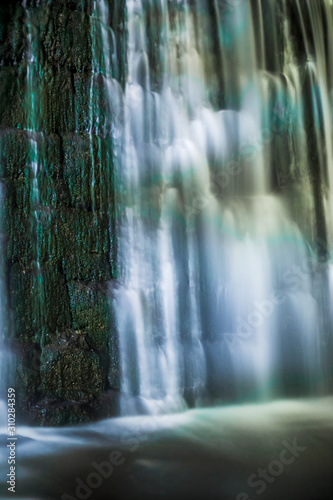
point(219, 285)
point(33, 127)
point(197, 168)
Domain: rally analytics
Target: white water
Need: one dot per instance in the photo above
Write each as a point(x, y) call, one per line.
point(203, 243)
point(216, 298)
point(32, 102)
point(33, 113)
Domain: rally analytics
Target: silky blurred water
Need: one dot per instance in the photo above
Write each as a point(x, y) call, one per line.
point(207, 453)
point(218, 276)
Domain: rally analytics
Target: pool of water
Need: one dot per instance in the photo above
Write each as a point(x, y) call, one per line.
point(279, 450)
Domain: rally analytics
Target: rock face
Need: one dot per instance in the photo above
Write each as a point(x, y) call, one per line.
point(58, 230)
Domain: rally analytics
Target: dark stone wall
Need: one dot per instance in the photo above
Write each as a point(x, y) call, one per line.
point(59, 252)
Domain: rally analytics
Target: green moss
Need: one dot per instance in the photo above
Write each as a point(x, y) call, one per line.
point(88, 171)
point(81, 83)
point(71, 372)
point(20, 245)
point(14, 151)
point(28, 370)
point(22, 301)
point(59, 238)
point(56, 314)
point(77, 170)
point(66, 45)
point(10, 110)
point(85, 241)
point(90, 312)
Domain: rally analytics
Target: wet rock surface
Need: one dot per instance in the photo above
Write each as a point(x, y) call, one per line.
point(59, 248)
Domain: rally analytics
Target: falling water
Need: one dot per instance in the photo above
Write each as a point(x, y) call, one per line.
point(220, 290)
point(217, 150)
point(32, 126)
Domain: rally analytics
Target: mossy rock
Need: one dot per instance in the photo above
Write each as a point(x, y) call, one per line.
point(60, 243)
point(86, 243)
point(10, 110)
point(14, 151)
point(28, 369)
point(55, 314)
point(38, 312)
point(90, 310)
point(82, 83)
point(71, 372)
point(88, 171)
point(77, 169)
point(22, 301)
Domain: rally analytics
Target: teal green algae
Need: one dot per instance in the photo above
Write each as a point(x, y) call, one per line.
point(59, 248)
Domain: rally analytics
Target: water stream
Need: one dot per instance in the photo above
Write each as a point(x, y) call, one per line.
point(220, 280)
point(218, 153)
